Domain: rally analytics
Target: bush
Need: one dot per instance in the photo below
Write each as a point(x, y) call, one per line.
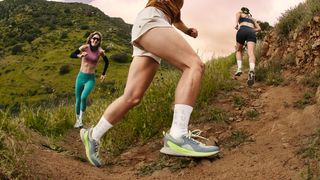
point(84, 27)
point(298, 17)
point(16, 49)
point(64, 35)
point(65, 69)
point(120, 57)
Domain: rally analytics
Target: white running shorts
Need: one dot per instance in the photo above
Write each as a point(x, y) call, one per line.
point(148, 18)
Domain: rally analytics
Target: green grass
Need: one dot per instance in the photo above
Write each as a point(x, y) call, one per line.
point(310, 152)
point(237, 138)
point(271, 73)
point(252, 113)
point(297, 17)
point(11, 132)
point(214, 114)
point(312, 80)
point(32, 77)
point(308, 98)
point(238, 101)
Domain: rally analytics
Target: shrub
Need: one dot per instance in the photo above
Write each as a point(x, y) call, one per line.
point(16, 49)
point(298, 17)
point(120, 57)
point(271, 73)
point(84, 27)
point(64, 35)
point(65, 69)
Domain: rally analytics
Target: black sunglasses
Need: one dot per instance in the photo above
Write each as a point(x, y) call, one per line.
point(97, 39)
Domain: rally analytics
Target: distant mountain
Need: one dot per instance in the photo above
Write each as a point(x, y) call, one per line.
point(36, 39)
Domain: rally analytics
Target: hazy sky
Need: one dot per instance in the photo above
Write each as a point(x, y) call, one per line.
point(214, 19)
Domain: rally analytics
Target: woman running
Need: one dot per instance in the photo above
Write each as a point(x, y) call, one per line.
point(246, 33)
point(153, 39)
point(89, 54)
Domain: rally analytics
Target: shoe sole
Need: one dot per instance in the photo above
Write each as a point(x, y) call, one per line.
point(169, 151)
point(238, 74)
point(78, 127)
point(86, 146)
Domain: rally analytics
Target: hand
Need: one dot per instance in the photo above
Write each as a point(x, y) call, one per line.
point(237, 27)
point(102, 77)
point(82, 54)
point(192, 32)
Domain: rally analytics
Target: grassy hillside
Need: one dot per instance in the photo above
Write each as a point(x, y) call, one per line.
point(36, 39)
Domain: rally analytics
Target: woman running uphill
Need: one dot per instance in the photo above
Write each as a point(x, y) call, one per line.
point(153, 39)
point(89, 54)
point(246, 33)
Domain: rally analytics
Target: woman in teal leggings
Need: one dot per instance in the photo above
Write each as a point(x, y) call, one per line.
point(89, 54)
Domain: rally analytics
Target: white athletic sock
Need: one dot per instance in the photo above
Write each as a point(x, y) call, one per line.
point(81, 115)
point(239, 63)
point(181, 117)
point(102, 127)
point(251, 65)
point(77, 117)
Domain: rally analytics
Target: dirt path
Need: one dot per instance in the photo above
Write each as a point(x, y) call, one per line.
point(270, 151)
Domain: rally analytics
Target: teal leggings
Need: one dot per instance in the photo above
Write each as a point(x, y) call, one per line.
point(84, 85)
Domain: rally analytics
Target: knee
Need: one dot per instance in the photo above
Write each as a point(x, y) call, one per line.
point(132, 100)
point(83, 99)
point(198, 65)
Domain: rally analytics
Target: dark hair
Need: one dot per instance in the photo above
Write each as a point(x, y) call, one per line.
point(245, 10)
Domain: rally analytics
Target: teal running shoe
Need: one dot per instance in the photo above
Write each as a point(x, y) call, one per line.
point(91, 147)
point(187, 146)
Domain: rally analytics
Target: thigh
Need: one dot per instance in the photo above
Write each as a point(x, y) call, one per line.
point(141, 73)
point(239, 47)
point(88, 87)
point(251, 47)
point(170, 46)
point(79, 86)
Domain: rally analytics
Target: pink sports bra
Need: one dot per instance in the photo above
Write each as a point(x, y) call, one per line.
point(92, 56)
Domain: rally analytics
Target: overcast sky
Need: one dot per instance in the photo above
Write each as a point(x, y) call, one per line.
point(214, 19)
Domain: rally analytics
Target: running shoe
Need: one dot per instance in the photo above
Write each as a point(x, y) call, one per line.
point(187, 146)
point(78, 124)
point(91, 147)
point(251, 78)
point(238, 73)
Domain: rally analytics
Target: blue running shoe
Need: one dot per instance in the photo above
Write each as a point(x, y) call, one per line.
point(187, 146)
point(91, 147)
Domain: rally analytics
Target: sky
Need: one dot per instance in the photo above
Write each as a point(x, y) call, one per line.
point(214, 19)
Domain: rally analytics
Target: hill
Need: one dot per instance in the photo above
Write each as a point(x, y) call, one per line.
point(268, 131)
point(36, 39)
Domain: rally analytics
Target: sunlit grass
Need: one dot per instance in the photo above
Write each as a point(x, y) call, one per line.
point(297, 17)
point(11, 132)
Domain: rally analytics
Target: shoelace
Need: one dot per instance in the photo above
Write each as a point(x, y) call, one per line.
point(195, 134)
point(96, 147)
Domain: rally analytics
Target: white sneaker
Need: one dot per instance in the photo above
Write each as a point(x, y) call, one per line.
point(238, 73)
point(78, 124)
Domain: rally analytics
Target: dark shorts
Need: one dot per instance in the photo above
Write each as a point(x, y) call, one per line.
point(246, 33)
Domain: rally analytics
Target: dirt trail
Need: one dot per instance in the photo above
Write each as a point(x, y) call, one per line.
point(270, 153)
